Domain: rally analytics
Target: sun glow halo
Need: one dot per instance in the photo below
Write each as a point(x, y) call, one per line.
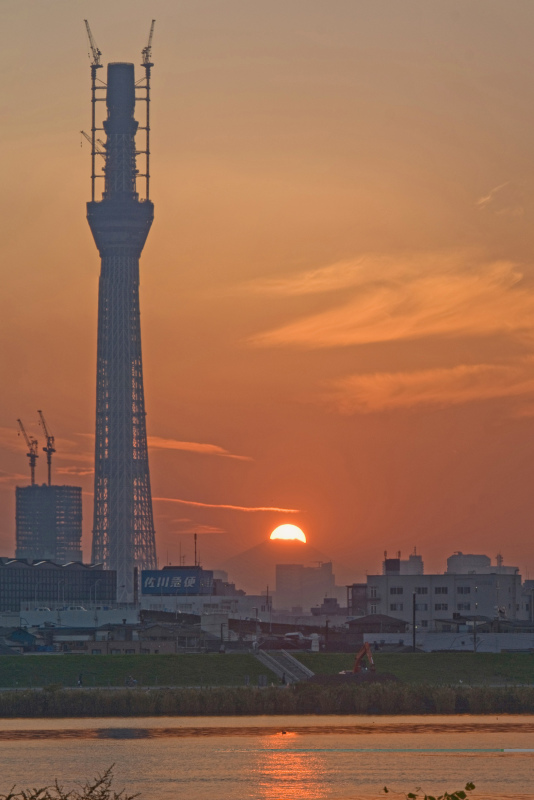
point(288, 532)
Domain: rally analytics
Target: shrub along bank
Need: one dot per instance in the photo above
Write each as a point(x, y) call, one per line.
point(392, 698)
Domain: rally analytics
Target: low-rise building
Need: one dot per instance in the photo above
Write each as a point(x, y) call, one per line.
point(28, 584)
point(442, 597)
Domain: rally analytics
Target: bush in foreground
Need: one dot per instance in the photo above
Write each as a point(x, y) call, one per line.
point(100, 789)
point(460, 794)
point(97, 789)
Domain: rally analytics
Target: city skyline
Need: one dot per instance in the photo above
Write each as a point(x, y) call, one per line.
point(337, 295)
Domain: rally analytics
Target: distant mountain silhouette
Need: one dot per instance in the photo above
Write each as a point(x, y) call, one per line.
point(254, 569)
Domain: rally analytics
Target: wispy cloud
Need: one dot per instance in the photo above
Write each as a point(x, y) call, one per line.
point(445, 295)
point(80, 471)
point(11, 479)
point(434, 387)
point(158, 443)
point(193, 528)
point(12, 440)
point(341, 275)
point(505, 200)
point(249, 509)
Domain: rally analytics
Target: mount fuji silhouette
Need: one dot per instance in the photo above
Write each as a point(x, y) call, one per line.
point(255, 569)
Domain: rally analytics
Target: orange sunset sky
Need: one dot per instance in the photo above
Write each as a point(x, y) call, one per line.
point(337, 293)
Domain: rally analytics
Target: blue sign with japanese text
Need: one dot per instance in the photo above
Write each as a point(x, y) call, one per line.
point(176, 581)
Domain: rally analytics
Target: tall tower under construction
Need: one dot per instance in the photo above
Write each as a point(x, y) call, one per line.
point(123, 526)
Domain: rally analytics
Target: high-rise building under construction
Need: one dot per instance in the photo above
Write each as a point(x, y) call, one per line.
point(49, 523)
point(123, 527)
point(48, 517)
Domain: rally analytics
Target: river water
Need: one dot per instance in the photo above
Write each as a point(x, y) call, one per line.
point(275, 758)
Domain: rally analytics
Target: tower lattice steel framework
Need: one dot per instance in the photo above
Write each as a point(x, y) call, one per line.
point(123, 527)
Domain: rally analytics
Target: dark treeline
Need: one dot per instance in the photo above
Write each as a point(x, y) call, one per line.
point(300, 699)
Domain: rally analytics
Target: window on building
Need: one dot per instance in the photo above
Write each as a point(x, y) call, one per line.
point(424, 623)
point(373, 609)
point(421, 589)
point(396, 590)
point(464, 606)
point(441, 590)
point(441, 607)
point(464, 590)
point(396, 606)
point(421, 606)
point(372, 592)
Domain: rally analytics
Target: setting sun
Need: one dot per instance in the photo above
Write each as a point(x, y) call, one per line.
point(288, 532)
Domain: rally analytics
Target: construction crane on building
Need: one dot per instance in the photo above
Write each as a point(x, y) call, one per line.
point(147, 51)
point(94, 49)
point(95, 65)
point(32, 453)
point(49, 449)
point(98, 141)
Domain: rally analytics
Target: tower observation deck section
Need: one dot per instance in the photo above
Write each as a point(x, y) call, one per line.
point(123, 526)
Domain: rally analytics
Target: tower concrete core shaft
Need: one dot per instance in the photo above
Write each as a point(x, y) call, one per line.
point(123, 526)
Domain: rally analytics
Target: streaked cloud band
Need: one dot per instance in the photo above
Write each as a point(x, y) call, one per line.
point(226, 506)
point(434, 387)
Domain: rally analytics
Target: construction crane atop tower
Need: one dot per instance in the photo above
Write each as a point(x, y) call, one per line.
point(147, 51)
point(94, 49)
point(49, 449)
point(32, 453)
point(98, 151)
point(95, 65)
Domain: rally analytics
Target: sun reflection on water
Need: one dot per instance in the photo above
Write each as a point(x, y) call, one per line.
point(288, 775)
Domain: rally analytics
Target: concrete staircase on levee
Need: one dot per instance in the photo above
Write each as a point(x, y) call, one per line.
point(284, 665)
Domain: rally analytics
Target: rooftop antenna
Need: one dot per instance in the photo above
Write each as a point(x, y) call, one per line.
point(49, 449)
point(32, 453)
point(95, 65)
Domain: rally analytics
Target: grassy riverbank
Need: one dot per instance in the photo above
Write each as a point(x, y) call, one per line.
point(191, 669)
point(491, 669)
point(231, 669)
point(372, 699)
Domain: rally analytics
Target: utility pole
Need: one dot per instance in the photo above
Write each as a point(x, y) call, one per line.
point(413, 623)
point(475, 624)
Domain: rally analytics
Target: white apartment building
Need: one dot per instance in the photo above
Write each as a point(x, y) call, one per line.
point(442, 597)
